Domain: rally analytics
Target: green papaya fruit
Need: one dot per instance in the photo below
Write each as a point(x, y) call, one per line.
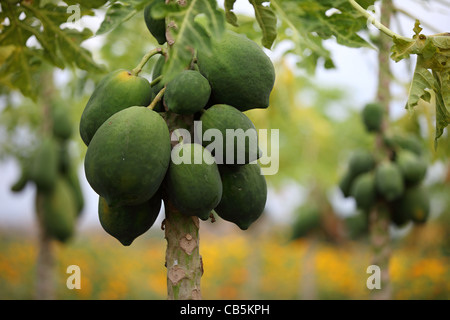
point(116, 91)
point(406, 141)
point(74, 183)
point(413, 205)
point(239, 72)
point(192, 183)
point(307, 219)
point(187, 93)
point(58, 210)
point(361, 161)
point(389, 181)
point(22, 181)
point(61, 123)
point(157, 27)
point(128, 156)
point(356, 225)
point(64, 160)
point(126, 223)
point(239, 138)
point(372, 116)
point(345, 183)
point(363, 191)
point(244, 194)
point(413, 168)
point(44, 167)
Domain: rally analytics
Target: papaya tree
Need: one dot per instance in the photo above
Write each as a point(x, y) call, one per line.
point(41, 116)
point(200, 47)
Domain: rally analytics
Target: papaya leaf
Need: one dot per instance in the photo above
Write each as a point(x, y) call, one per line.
point(311, 22)
point(432, 72)
point(186, 34)
point(229, 14)
point(267, 21)
point(91, 4)
point(442, 103)
point(59, 47)
point(116, 14)
point(422, 82)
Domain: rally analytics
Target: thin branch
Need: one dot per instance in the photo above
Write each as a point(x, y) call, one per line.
point(375, 22)
point(157, 99)
point(144, 60)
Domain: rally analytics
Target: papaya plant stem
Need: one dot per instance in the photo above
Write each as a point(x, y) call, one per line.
point(155, 81)
point(379, 218)
point(183, 260)
point(144, 60)
point(380, 26)
point(157, 98)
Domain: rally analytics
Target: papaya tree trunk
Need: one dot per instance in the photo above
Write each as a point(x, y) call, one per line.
point(45, 265)
point(379, 216)
point(183, 260)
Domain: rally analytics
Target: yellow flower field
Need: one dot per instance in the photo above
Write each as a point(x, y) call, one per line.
point(237, 265)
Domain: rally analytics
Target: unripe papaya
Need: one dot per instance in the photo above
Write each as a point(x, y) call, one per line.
point(413, 168)
point(345, 183)
point(372, 116)
point(157, 27)
point(363, 191)
point(357, 225)
point(244, 194)
point(192, 183)
point(413, 205)
point(64, 160)
point(74, 183)
point(58, 210)
point(61, 123)
point(360, 162)
point(117, 91)
point(238, 135)
point(406, 141)
point(44, 167)
point(239, 72)
point(389, 181)
point(128, 156)
point(22, 181)
point(307, 219)
point(126, 223)
point(187, 93)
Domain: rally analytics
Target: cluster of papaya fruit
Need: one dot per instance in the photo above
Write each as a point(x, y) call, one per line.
point(59, 199)
point(127, 124)
point(393, 181)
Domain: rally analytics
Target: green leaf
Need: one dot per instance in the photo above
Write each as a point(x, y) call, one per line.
point(186, 34)
point(229, 14)
point(116, 15)
point(442, 102)
point(90, 4)
point(432, 72)
point(422, 82)
point(267, 21)
point(310, 22)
